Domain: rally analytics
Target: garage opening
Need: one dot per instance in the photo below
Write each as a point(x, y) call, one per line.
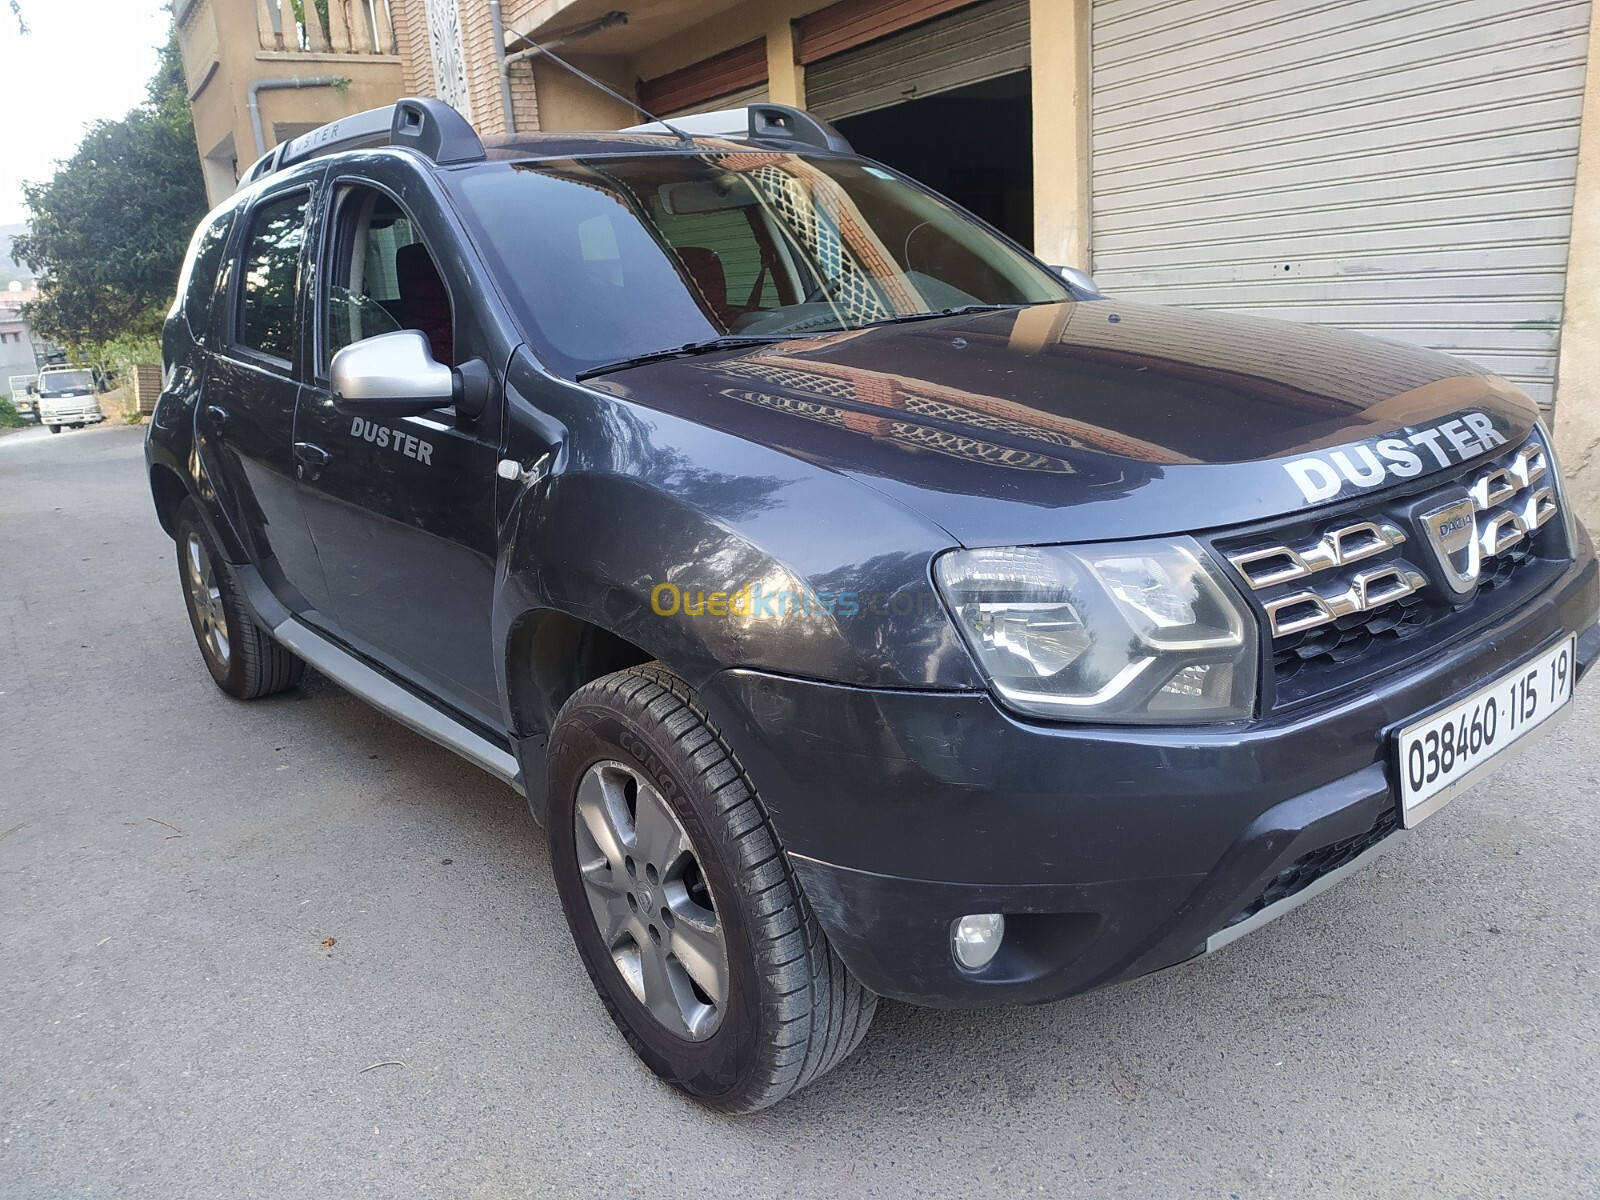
point(973, 143)
point(945, 98)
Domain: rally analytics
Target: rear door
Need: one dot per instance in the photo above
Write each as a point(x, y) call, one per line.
point(245, 423)
point(402, 509)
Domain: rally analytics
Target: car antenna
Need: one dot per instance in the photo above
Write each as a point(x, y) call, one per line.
point(612, 92)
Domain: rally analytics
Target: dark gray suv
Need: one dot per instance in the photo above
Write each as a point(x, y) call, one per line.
point(864, 609)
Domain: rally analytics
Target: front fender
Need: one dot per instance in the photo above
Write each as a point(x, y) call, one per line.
point(707, 551)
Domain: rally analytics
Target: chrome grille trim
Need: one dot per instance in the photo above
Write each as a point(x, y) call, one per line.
point(1494, 488)
point(1506, 503)
point(1336, 548)
point(1368, 590)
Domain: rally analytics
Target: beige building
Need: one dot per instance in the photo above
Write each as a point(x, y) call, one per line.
point(1428, 173)
point(262, 71)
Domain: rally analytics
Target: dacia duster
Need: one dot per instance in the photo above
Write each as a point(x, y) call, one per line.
point(865, 608)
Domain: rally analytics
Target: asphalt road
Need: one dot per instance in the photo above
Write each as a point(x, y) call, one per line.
point(216, 918)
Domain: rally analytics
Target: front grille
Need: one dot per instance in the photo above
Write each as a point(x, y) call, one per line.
point(1348, 593)
point(1308, 868)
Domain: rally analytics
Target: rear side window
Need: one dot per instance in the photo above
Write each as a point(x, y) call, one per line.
point(199, 282)
point(270, 280)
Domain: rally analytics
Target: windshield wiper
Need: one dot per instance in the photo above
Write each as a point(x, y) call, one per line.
point(954, 311)
point(688, 350)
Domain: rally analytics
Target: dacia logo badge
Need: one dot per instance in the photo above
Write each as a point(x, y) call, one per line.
point(1451, 526)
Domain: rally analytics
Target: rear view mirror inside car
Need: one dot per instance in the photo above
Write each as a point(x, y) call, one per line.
point(705, 195)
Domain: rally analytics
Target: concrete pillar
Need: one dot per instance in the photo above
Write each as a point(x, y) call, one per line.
point(786, 83)
point(1577, 418)
point(1061, 81)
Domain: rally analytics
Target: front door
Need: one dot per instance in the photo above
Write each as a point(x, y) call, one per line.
point(246, 418)
point(402, 509)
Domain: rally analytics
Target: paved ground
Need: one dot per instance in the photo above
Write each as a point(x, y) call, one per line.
point(173, 1022)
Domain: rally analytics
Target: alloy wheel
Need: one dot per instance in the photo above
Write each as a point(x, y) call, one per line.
point(206, 596)
point(649, 899)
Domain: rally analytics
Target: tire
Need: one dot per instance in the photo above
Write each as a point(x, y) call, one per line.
point(784, 1010)
point(242, 657)
point(55, 429)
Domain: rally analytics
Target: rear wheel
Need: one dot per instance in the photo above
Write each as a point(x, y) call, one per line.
point(241, 656)
point(688, 918)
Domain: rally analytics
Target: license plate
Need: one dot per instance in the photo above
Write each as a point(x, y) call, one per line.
point(1442, 755)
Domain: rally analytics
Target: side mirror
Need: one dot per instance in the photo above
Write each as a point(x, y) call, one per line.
point(395, 375)
point(1081, 282)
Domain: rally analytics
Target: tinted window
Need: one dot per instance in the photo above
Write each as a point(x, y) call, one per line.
point(608, 258)
point(271, 276)
point(199, 282)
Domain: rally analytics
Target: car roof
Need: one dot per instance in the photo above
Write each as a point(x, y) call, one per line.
point(441, 136)
point(599, 143)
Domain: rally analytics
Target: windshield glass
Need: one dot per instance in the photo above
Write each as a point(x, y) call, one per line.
point(612, 258)
point(55, 383)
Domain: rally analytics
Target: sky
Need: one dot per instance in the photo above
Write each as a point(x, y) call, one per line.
point(81, 61)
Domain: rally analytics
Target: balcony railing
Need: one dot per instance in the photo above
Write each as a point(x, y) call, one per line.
point(326, 26)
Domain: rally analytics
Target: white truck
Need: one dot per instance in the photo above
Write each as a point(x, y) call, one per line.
point(22, 397)
point(66, 397)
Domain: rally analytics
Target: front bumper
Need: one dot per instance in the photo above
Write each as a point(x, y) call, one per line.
point(1113, 851)
point(76, 415)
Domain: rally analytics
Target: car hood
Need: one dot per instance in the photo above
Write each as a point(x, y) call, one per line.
point(1097, 420)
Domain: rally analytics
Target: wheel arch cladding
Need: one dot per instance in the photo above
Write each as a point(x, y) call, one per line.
point(168, 491)
point(549, 656)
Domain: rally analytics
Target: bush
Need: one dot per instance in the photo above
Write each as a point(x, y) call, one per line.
point(9, 417)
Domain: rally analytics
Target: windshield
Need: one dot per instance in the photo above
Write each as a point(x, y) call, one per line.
point(56, 383)
point(613, 258)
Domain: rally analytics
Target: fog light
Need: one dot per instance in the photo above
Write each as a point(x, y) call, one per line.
point(975, 939)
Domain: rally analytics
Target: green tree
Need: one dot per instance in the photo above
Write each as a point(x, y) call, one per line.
point(107, 233)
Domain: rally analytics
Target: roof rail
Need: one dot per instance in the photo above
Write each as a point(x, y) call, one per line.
point(764, 122)
point(781, 123)
point(430, 127)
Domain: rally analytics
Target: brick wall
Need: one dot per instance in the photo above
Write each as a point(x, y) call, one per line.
point(411, 37)
point(483, 74)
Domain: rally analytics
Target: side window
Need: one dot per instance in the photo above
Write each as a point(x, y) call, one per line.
point(383, 279)
point(199, 282)
point(271, 277)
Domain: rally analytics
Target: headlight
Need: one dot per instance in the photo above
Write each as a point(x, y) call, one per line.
point(1133, 632)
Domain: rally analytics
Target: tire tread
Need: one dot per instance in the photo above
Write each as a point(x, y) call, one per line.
point(820, 1012)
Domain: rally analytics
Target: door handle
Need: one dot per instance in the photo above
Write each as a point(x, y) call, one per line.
point(309, 460)
point(217, 415)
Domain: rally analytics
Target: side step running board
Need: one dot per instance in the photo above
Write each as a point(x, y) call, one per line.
point(389, 697)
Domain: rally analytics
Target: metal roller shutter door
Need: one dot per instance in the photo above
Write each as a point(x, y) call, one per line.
point(982, 42)
point(1399, 169)
point(750, 95)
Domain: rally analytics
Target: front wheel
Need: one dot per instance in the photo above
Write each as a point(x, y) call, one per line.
point(688, 918)
point(55, 429)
